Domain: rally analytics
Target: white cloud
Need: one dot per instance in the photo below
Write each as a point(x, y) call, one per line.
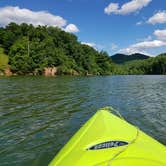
point(21, 15)
point(129, 51)
point(111, 8)
point(159, 17)
point(89, 44)
point(139, 23)
point(71, 28)
point(15, 14)
point(127, 8)
point(114, 46)
point(142, 47)
point(149, 44)
point(160, 34)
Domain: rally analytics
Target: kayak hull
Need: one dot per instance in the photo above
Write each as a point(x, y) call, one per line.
point(106, 139)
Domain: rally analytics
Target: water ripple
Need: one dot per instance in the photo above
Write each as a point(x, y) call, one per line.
point(38, 115)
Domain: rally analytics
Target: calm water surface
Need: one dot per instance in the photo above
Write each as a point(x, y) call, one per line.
point(38, 114)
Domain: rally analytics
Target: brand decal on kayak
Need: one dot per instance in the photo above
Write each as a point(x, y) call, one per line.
point(109, 144)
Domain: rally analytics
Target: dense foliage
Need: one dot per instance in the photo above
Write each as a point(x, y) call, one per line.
point(31, 49)
point(3, 60)
point(26, 49)
point(153, 65)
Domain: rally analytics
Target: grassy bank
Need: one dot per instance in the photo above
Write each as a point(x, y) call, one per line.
point(3, 61)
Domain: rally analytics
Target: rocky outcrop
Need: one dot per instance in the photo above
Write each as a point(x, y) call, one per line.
point(50, 71)
point(8, 72)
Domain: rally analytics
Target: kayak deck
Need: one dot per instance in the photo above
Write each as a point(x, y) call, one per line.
point(106, 139)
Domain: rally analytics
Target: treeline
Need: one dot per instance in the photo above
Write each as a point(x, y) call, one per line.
point(25, 49)
point(153, 65)
point(31, 49)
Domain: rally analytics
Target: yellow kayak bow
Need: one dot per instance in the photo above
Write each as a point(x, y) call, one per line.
point(107, 140)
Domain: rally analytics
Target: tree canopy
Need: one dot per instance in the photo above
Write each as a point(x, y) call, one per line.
point(29, 50)
point(33, 48)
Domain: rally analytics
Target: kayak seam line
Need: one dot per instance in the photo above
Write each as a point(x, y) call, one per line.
point(125, 148)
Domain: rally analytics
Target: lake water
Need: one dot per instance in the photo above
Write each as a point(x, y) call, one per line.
point(38, 115)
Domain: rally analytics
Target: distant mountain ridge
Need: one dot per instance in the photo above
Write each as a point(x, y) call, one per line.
point(122, 58)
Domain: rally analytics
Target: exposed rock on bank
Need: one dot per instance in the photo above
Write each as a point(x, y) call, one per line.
point(50, 71)
point(8, 72)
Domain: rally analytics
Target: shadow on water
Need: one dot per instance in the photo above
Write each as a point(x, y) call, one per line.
point(38, 115)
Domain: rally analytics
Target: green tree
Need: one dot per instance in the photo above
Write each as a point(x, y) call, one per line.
point(3, 60)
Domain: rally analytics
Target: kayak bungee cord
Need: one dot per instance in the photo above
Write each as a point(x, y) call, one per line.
point(111, 109)
point(124, 149)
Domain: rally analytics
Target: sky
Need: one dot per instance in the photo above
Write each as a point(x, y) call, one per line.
point(115, 26)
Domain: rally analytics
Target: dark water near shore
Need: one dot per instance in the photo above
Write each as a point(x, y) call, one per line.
point(38, 114)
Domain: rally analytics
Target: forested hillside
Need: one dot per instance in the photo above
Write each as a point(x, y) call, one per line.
point(153, 65)
point(31, 49)
point(122, 58)
point(25, 49)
